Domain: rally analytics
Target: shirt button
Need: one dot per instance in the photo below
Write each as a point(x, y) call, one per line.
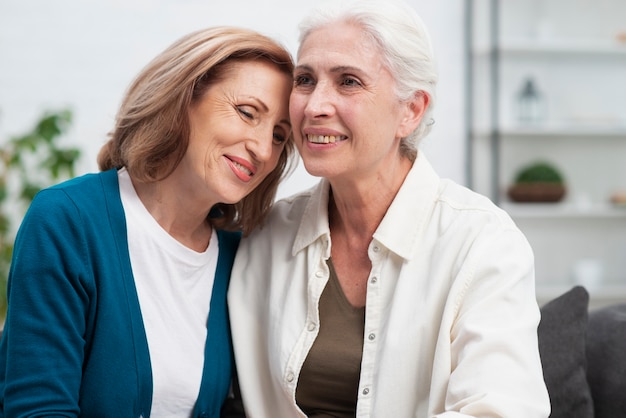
point(319, 274)
point(376, 248)
point(374, 279)
point(290, 377)
point(371, 337)
point(366, 391)
point(311, 326)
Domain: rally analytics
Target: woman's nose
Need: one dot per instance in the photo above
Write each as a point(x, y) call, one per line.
point(319, 102)
point(261, 145)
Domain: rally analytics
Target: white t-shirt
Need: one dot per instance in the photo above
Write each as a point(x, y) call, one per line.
point(174, 284)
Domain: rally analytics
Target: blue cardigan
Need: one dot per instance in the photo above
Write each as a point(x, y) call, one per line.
point(74, 343)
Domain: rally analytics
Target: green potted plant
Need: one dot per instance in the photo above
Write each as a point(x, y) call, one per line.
point(537, 182)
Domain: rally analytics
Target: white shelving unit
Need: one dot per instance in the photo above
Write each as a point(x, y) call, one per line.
point(577, 61)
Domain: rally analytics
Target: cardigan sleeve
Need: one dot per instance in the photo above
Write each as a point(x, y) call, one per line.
point(49, 289)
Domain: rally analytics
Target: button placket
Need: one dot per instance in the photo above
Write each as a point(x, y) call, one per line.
point(377, 254)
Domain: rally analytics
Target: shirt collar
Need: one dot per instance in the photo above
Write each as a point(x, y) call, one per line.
point(400, 228)
point(314, 222)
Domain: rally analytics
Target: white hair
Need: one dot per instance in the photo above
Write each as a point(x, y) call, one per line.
point(403, 40)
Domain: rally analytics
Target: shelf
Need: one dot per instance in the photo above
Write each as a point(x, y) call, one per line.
point(564, 211)
point(579, 71)
point(553, 47)
point(610, 129)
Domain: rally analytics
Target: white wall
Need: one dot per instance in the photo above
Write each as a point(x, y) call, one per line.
point(83, 53)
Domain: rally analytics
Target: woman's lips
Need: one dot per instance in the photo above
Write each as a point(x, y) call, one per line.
point(242, 168)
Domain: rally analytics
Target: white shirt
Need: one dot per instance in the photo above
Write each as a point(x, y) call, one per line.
point(174, 284)
point(451, 315)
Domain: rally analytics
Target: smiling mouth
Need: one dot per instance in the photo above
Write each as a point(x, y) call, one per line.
point(325, 139)
point(243, 169)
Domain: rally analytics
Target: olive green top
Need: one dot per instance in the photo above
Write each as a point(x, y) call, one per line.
point(329, 380)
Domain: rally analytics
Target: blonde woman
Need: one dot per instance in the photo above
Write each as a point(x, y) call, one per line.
point(117, 290)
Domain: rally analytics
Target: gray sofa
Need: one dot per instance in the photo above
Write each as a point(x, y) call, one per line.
point(584, 356)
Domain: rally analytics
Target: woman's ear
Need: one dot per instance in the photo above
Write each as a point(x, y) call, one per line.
point(414, 110)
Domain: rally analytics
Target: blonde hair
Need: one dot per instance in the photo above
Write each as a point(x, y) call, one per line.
point(151, 132)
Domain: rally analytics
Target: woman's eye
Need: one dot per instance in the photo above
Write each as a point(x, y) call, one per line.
point(279, 138)
point(302, 80)
point(245, 112)
point(350, 82)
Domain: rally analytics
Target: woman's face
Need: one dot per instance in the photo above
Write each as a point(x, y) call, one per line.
point(346, 117)
point(238, 131)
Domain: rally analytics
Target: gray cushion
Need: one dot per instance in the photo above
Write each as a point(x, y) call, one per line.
point(562, 332)
point(606, 359)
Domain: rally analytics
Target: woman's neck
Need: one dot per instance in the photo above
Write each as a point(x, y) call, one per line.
point(182, 216)
point(357, 207)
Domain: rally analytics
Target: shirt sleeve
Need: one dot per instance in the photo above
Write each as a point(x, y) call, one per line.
point(496, 368)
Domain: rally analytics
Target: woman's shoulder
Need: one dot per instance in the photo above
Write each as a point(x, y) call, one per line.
point(286, 216)
point(85, 192)
point(292, 205)
point(292, 208)
point(88, 181)
point(469, 203)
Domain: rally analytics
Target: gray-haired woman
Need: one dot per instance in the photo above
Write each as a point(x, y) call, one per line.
point(384, 291)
